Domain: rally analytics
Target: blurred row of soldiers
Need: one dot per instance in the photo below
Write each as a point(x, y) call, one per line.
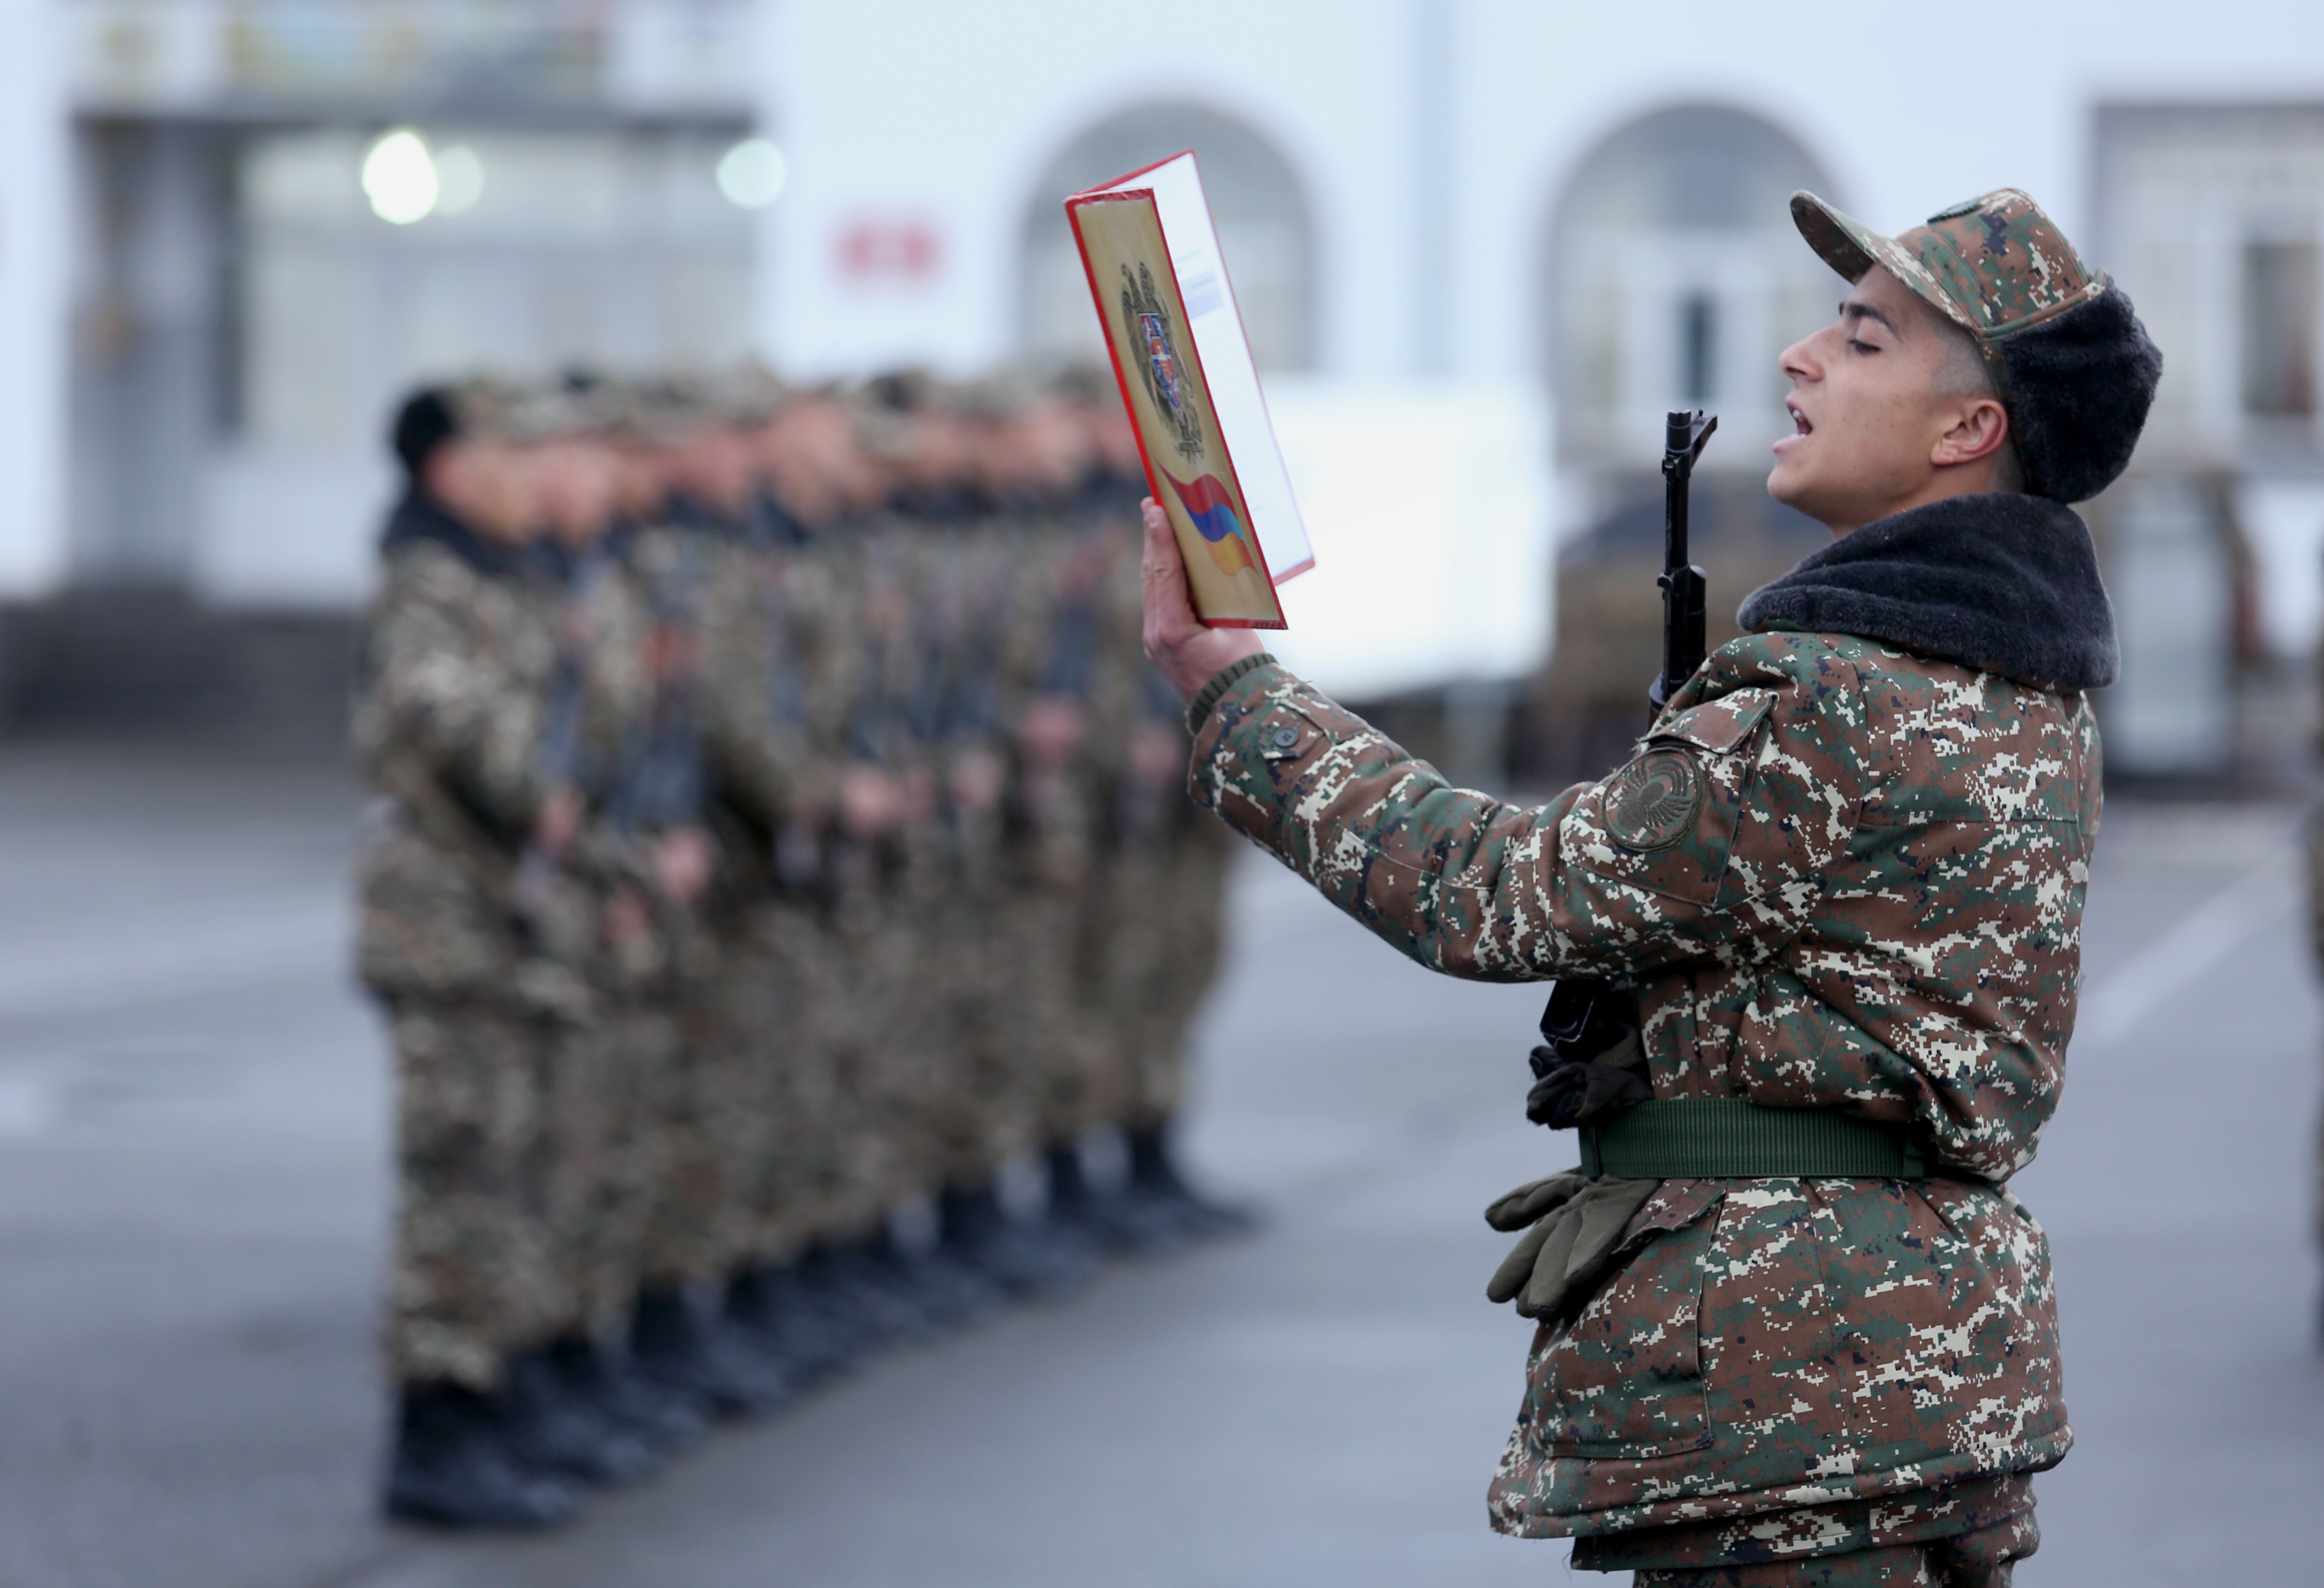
point(779, 830)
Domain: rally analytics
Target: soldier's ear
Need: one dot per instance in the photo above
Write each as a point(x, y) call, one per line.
point(1980, 429)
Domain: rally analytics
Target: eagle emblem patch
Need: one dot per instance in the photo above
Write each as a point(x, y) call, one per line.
point(1152, 334)
point(1653, 802)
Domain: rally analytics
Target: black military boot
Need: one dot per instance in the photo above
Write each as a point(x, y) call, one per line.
point(674, 1344)
point(977, 1230)
point(1154, 1182)
point(950, 1291)
point(665, 1421)
point(451, 1468)
point(860, 1297)
point(554, 1427)
point(776, 1307)
point(1133, 1216)
point(1113, 1220)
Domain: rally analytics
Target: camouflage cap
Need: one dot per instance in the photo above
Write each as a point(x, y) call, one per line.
point(748, 394)
point(642, 413)
point(543, 413)
point(1995, 265)
point(483, 406)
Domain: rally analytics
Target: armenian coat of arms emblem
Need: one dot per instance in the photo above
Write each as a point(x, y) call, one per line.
point(1151, 337)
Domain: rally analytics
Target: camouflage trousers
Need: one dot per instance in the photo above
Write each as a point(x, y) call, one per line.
point(788, 975)
point(877, 1158)
point(982, 1102)
point(475, 1273)
point(1150, 948)
point(1969, 1535)
point(708, 1121)
point(1976, 1561)
point(1060, 1048)
point(612, 1153)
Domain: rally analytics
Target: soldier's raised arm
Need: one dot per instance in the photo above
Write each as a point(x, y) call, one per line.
point(1711, 844)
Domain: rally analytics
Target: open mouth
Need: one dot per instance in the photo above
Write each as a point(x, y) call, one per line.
point(1800, 425)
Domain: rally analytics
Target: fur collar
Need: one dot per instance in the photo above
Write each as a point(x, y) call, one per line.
point(2001, 582)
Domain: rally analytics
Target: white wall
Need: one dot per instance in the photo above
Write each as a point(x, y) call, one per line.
point(1908, 111)
point(33, 255)
point(926, 108)
point(903, 110)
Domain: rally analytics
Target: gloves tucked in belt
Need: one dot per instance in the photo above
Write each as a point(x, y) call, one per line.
point(1589, 1067)
point(1577, 1223)
point(1568, 1091)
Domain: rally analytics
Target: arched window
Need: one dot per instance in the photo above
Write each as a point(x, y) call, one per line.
point(1255, 200)
point(1674, 279)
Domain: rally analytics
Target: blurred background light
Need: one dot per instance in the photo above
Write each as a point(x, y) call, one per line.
point(752, 175)
point(399, 178)
point(459, 179)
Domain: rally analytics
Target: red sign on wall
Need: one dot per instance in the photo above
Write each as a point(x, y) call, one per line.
point(888, 250)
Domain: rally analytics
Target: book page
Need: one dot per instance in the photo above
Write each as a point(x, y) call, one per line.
point(1192, 468)
point(1217, 324)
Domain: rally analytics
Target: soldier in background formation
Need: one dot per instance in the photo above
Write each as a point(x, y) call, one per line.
point(779, 828)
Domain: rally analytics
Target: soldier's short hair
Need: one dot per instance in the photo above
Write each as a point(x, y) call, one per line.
point(424, 421)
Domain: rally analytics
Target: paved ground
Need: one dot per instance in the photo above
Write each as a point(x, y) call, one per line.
point(192, 1192)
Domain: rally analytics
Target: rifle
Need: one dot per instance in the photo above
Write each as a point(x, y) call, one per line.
point(1683, 584)
point(1587, 1015)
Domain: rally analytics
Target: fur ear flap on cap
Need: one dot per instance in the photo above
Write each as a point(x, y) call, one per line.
point(2078, 386)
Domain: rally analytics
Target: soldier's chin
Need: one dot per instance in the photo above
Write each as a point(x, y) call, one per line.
point(1786, 483)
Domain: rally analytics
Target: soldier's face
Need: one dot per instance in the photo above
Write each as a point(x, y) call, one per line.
point(579, 486)
point(719, 465)
point(489, 484)
point(1056, 448)
point(812, 452)
point(1868, 408)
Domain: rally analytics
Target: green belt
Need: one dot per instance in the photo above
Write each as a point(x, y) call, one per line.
point(1728, 1137)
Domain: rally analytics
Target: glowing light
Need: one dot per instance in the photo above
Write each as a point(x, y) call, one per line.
point(399, 179)
point(459, 178)
point(752, 175)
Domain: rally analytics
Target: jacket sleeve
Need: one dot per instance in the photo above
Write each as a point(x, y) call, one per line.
point(1709, 844)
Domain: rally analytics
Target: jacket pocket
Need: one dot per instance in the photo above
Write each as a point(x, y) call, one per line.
point(1624, 1379)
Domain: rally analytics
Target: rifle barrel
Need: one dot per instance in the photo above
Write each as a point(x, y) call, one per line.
point(1683, 583)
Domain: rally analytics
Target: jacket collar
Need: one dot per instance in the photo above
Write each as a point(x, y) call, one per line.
point(418, 518)
point(2000, 581)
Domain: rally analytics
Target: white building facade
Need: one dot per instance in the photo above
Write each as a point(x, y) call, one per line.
point(1524, 230)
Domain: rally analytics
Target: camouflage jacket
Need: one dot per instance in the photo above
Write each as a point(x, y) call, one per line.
point(1836, 875)
point(453, 666)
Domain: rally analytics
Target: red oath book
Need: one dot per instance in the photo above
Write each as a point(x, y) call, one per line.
point(1179, 352)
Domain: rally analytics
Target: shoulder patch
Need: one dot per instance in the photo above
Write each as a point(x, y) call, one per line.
point(1654, 800)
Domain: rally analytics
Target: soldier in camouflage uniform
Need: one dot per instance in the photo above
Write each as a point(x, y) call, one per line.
point(774, 730)
point(455, 655)
point(1153, 896)
point(688, 563)
point(1791, 1326)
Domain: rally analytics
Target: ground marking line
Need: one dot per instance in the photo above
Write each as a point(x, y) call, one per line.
point(2203, 937)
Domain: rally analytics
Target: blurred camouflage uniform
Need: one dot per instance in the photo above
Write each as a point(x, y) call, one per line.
point(773, 779)
point(457, 653)
point(972, 599)
point(619, 1069)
